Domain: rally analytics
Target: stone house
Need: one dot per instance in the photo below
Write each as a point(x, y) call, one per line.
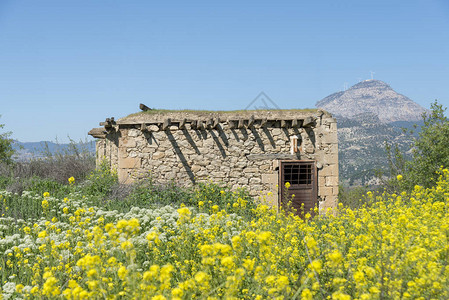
point(260, 150)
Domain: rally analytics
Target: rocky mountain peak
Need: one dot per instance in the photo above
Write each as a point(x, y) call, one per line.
point(372, 97)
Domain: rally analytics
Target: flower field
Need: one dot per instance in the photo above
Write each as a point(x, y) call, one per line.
point(394, 247)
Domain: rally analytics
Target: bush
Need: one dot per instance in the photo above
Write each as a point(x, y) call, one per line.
point(430, 152)
point(51, 171)
point(100, 182)
point(6, 150)
point(396, 248)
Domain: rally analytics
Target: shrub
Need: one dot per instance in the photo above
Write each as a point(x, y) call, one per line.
point(429, 150)
point(396, 248)
point(6, 150)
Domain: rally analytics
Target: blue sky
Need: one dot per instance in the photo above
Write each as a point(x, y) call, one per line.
point(67, 65)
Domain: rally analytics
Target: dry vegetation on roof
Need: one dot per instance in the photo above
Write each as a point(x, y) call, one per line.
point(187, 111)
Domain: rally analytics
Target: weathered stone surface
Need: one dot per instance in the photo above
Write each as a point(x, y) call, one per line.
point(255, 180)
point(133, 133)
point(195, 168)
point(272, 156)
point(158, 155)
point(154, 128)
point(128, 143)
point(251, 170)
point(129, 163)
point(241, 157)
point(331, 180)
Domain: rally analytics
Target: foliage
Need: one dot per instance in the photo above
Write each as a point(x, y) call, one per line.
point(396, 247)
point(6, 150)
point(101, 181)
point(352, 197)
point(48, 173)
point(429, 150)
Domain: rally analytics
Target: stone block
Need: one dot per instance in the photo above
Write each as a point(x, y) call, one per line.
point(250, 170)
point(134, 132)
point(170, 175)
point(280, 142)
point(264, 167)
point(203, 173)
point(122, 152)
point(276, 131)
point(128, 142)
point(217, 174)
point(325, 191)
point(124, 176)
point(243, 181)
point(335, 191)
point(129, 162)
point(330, 159)
point(195, 168)
point(255, 180)
point(235, 174)
point(330, 139)
point(158, 155)
point(328, 170)
point(331, 181)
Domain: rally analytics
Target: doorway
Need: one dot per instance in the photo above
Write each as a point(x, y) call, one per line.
point(302, 195)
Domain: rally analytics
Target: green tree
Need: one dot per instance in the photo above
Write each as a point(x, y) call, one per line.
point(430, 152)
point(6, 149)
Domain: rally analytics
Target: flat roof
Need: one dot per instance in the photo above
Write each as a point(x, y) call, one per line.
point(159, 115)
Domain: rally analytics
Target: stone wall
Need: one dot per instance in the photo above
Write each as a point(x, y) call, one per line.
point(242, 150)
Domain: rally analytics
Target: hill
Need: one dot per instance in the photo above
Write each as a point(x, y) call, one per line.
point(373, 97)
point(29, 150)
point(369, 114)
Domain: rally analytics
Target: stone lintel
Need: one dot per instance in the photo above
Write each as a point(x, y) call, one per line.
point(271, 156)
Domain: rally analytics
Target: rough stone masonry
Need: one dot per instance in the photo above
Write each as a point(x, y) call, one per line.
point(242, 149)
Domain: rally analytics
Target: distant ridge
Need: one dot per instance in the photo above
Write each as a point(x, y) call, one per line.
point(373, 97)
point(32, 150)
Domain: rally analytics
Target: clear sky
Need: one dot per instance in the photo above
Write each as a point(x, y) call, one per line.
point(67, 65)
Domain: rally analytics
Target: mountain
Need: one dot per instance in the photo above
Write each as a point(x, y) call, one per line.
point(370, 114)
point(362, 148)
point(29, 150)
point(374, 97)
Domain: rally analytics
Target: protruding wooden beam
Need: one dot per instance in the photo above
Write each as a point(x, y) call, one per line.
point(231, 124)
point(284, 123)
point(144, 107)
point(308, 121)
point(251, 121)
point(241, 124)
point(209, 123)
point(263, 123)
point(108, 123)
point(166, 124)
point(200, 125)
point(194, 124)
point(182, 124)
point(98, 133)
point(143, 127)
point(295, 123)
point(216, 122)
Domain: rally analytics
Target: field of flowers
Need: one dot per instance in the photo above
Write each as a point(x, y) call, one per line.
point(394, 247)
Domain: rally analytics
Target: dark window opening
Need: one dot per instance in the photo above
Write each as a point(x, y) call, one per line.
point(298, 174)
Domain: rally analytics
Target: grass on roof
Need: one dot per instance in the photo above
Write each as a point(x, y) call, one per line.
point(162, 111)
